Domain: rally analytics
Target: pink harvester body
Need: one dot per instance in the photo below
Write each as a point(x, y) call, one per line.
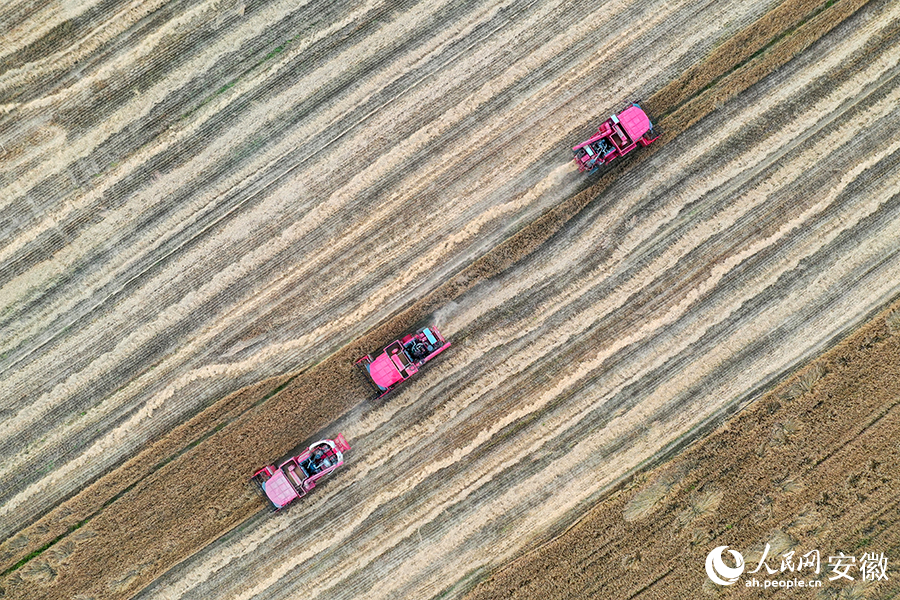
point(297, 475)
point(402, 359)
point(616, 136)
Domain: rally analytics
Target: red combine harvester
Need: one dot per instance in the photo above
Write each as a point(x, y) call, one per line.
point(617, 136)
point(402, 359)
point(296, 476)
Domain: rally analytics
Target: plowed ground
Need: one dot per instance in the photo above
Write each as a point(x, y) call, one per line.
point(202, 197)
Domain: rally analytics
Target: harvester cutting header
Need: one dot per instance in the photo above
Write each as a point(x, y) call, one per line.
point(617, 136)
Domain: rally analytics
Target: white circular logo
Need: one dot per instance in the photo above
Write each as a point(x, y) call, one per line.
point(718, 571)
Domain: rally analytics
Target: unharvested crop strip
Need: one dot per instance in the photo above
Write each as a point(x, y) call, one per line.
point(739, 50)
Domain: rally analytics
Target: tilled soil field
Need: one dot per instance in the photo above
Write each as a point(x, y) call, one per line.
point(202, 196)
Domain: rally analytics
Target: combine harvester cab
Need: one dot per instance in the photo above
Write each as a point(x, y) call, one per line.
point(617, 136)
point(402, 359)
point(296, 476)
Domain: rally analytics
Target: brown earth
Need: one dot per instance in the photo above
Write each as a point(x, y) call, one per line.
point(813, 464)
point(639, 283)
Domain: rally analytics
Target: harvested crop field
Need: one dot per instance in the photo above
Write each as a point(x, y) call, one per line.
point(209, 209)
point(813, 465)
